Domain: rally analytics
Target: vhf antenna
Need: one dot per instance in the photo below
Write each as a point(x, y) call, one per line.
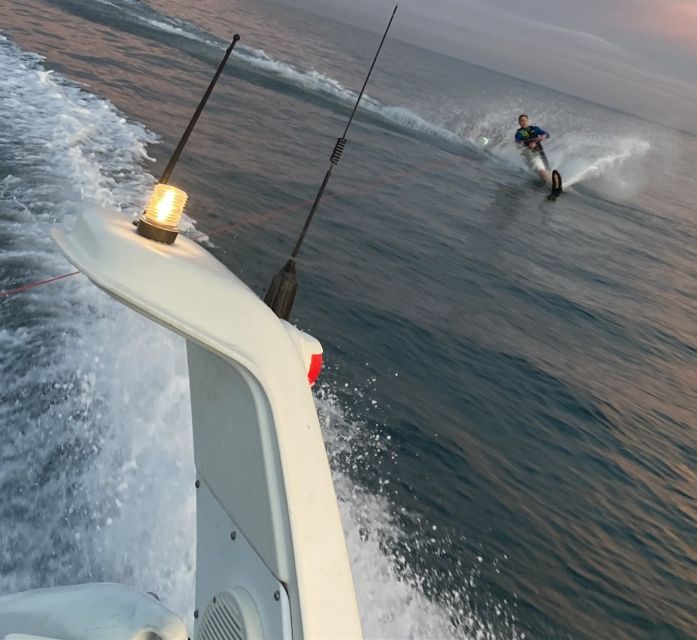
point(284, 285)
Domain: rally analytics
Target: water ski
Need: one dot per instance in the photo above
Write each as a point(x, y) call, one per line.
point(556, 186)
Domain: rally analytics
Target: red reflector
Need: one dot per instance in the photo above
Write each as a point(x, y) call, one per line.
point(315, 368)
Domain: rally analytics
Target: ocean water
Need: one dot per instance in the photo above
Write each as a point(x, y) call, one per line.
point(510, 392)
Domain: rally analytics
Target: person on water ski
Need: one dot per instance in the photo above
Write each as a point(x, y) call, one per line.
point(529, 138)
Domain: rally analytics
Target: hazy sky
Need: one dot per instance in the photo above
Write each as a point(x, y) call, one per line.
point(636, 55)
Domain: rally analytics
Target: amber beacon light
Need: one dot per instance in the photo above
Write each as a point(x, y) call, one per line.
point(160, 221)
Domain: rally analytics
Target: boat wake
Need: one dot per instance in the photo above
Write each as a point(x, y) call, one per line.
point(139, 17)
point(588, 151)
point(395, 599)
point(581, 156)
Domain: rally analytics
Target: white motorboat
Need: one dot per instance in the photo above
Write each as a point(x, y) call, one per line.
point(271, 557)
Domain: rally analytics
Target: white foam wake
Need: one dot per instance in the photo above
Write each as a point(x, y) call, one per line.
point(315, 81)
point(65, 415)
point(65, 135)
point(580, 157)
point(395, 600)
point(310, 80)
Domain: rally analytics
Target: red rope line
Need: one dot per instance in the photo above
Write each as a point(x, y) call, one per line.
point(366, 188)
point(260, 217)
point(10, 292)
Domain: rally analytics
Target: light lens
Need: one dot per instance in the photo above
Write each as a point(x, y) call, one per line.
point(315, 368)
point(166, 206)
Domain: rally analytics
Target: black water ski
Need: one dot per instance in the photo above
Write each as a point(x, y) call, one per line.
point(556, 186)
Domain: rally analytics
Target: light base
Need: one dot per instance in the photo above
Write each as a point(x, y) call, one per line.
point(151, 232)
point(282, 291)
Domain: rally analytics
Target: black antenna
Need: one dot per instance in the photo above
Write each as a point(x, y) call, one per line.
point(194, 119)
point(284, 285)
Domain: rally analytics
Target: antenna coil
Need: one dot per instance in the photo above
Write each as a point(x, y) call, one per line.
point(338, 150)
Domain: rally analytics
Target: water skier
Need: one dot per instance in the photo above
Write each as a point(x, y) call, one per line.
point(529, 138)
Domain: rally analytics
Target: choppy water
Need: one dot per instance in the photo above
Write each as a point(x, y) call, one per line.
point(510, 399)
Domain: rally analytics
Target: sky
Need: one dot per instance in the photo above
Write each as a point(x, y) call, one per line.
point(636, 55)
